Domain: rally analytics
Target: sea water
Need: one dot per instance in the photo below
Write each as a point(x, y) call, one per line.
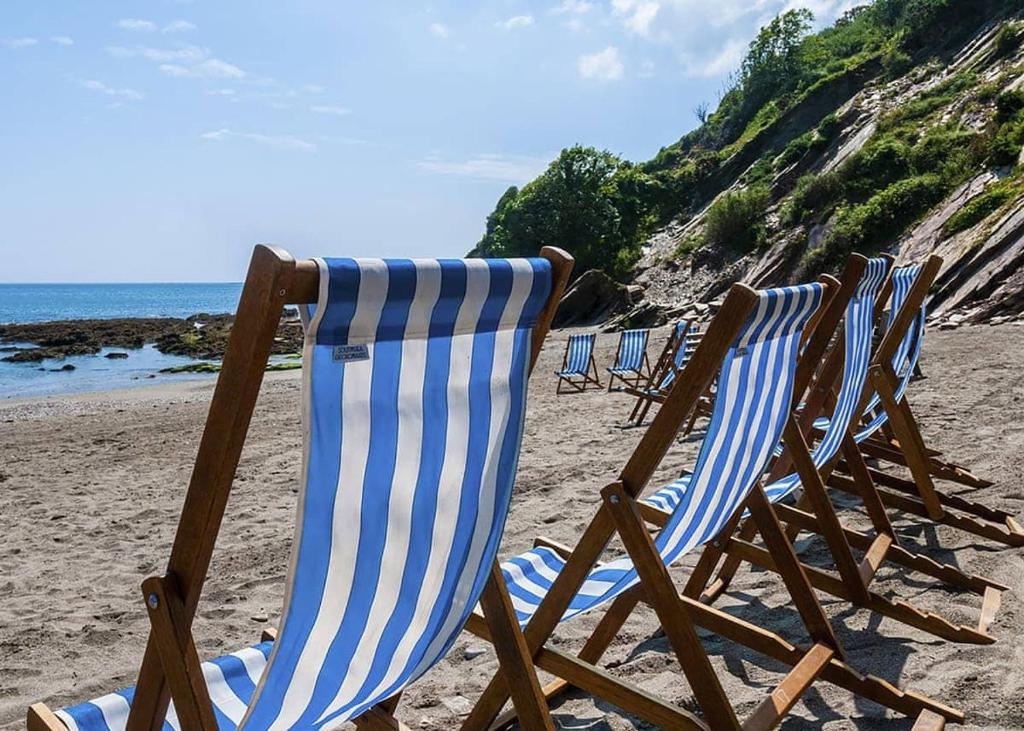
point(22, 303)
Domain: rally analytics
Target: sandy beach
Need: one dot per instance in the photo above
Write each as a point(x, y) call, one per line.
point(92, 485)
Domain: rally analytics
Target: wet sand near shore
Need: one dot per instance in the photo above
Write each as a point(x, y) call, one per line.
point(92, 485)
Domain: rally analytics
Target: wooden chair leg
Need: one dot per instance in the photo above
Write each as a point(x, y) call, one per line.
point(661, 595)
point(514, 656)
point(791, 570)
point(909, 436)
point(178, 654)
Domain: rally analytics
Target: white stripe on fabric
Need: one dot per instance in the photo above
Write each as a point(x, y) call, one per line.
point(67, 719)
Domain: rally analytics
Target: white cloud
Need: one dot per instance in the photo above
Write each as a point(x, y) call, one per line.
point(331, 110)
point(282, 142)
point(440, 30)
point(636, 15)
point(62, 40)
point(221, 92)
point(516, 169)
point(178, 26)
point(577, 7)
point(211, 68)
point(23, 42)
point(101, 88)
point(313, 88)
point(137, 25)
point(184, 54)
point(517, 21)
point(604, 65)
point(190, 62)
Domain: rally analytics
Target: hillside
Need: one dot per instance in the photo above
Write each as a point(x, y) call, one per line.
point(898, 129)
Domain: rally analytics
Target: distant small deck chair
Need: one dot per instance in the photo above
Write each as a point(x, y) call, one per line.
point(852, 357)
point(414, 386)
point(890, 432)
point(632, 366)
point(683, 340)
point(754, 343)
point(579, 369)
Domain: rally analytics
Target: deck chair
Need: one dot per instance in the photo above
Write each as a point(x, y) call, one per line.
point(631, 364)
point(753, 342)
point(579, 370)
point(398, 524)
point(852, 358)
point(898, 440)
point(673, 358)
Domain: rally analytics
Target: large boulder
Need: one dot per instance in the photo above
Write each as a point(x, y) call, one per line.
point(591, 299)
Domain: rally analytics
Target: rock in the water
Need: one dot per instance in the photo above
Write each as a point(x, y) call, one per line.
point(65, 367)
point(116, 356)
point(592, 299)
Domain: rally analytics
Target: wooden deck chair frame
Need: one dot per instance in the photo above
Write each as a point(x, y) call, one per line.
point(170, 666)
point(662, 366)
point(816, 513)
point(900, 442)
point(576, 386)
point(634, 381)
point(680, 614)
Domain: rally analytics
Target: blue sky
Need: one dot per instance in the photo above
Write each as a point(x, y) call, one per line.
point(158, 141)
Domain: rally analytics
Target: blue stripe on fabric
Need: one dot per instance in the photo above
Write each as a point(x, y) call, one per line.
point(343, 293)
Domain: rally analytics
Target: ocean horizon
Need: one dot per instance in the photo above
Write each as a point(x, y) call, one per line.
point(31, 303)
point(24, 303)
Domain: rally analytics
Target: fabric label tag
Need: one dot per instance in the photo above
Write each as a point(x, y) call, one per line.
point(349, 353)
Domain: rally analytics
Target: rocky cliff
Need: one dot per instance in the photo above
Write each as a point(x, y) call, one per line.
point(977, 226)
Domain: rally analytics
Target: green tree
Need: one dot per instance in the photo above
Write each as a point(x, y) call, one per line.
point(588, 202)
point(773, 63)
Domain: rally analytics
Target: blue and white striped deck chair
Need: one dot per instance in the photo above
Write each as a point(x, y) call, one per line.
point(579, 369)
point(414, 392)
point(815, 469)
point(757, 358)
point(891, 432)
point(671, 361)
point(907, 353)
point(631, 363)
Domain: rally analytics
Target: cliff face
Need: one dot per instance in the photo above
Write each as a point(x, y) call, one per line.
point(863, 163)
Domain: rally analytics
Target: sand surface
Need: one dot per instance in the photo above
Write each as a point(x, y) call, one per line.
point(91, 488)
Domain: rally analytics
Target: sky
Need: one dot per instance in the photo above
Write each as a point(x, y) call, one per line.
point(161, 140)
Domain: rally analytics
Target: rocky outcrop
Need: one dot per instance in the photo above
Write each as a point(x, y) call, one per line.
point(982, 279)
point(200, 336)
point(593, 298)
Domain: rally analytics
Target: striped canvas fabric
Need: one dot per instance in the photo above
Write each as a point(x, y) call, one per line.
point(908, 352)
point(905, 358)
point(679, 360)
point(577, 361)
point(858, 328)
point(231, 681)
point(632, 347)
point(415, 377)
point(753, 400)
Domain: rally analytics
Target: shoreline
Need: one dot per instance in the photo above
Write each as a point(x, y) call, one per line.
point(58, 357)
